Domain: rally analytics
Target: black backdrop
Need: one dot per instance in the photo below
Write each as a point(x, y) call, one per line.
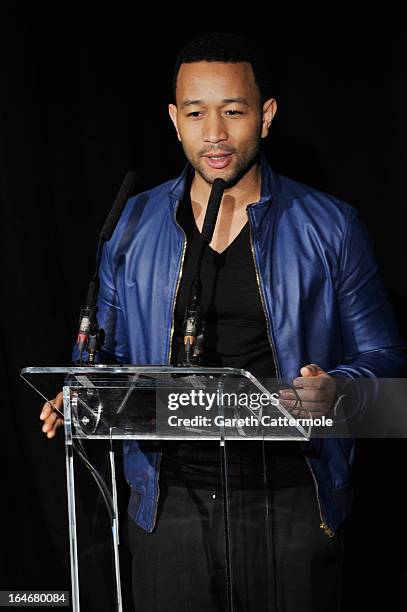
point(80, 105)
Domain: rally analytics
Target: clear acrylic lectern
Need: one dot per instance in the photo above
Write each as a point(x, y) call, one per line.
point(166, 408)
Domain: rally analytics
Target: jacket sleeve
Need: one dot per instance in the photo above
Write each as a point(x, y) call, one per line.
point(371, 343)
point(110, 317)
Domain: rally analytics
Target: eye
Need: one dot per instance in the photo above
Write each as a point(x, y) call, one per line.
point(194, 114)
point(233, 113)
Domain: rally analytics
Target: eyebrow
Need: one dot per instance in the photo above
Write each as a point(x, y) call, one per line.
point(224, 101)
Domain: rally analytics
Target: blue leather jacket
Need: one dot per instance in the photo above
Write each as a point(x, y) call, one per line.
point(323, 300)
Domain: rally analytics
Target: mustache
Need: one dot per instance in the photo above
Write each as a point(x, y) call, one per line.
point(216, 150)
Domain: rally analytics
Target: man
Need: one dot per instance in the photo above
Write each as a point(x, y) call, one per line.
point(290, 290)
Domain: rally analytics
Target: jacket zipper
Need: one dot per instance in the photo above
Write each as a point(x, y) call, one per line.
point(323, 525)
point(262, 297)
point(184, 247)
point(170, 347)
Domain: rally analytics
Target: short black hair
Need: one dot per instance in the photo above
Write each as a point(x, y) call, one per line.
point(226, 47)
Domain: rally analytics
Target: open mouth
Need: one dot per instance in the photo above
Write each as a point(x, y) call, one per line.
point(218, 161)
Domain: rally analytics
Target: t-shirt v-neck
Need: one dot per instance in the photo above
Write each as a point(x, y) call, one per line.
point(244, 234)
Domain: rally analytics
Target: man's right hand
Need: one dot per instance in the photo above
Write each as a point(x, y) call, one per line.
point(52, 419)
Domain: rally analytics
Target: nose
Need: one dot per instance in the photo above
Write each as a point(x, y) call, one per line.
point(214, 129)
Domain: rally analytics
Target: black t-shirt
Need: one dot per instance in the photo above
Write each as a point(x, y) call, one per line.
point(235, 336)
point(235, 323)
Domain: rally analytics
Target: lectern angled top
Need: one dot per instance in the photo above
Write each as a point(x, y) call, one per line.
point(167, 402)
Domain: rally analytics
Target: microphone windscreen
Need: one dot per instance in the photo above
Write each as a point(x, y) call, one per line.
point(212, 210)
point(125, 192)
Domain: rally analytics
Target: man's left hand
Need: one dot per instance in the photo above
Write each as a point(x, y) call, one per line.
point(315, 389)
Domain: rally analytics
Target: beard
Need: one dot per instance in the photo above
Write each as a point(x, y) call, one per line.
point(242, 163)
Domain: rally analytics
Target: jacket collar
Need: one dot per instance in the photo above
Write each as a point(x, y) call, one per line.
point(268, 183)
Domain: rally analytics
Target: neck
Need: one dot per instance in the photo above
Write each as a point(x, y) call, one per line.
point(246, 191)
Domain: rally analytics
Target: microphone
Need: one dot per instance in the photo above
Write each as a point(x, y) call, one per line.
point(193, 331)
point(125, 191)
point(90, 337)
point(212, 210)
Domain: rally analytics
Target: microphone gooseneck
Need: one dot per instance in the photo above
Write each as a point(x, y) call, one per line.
point(193, 324)
point(90, 338)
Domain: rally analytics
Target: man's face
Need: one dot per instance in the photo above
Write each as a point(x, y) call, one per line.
point(219, 118)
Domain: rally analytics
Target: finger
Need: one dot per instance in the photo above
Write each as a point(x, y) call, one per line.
point(308, 401)
point(307, 395)
point(290, 405)
point(315, 408)
point(312, 369)
point(50, 421)
point(315, 403)
point(287, 394)
point(49, 406)
point(304, 402)
point(306, 414)
point(45, 412)
point(59, 400)
point(53, 431)
point(317, 382)
point(313, 395)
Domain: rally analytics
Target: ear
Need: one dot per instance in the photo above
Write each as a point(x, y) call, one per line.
point(268, 112)
point(172, 110)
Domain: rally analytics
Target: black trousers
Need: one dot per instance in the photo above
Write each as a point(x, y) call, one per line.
point(280, 559)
